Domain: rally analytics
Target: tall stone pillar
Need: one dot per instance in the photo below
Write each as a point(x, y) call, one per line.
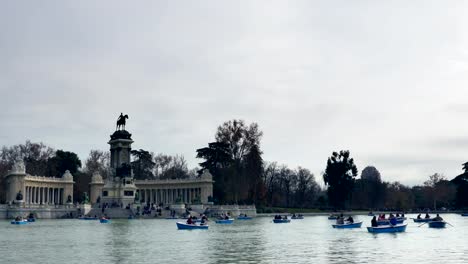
point(15, 182)
point(96, 186)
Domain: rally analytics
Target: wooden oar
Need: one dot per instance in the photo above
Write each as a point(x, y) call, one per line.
point(423, 224)
point(449, 224)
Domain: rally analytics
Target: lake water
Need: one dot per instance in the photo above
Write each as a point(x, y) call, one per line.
point(311, 240)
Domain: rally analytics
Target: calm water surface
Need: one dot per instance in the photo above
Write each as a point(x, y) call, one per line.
point(311, 240)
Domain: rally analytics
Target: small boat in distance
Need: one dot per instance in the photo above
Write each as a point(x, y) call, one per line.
point(244, 217)
point(104, 220)
point(333, 217)
point(348, 225)
point(437, 224)
point(387, 228)
point(422, 220)
point(279, 221)
point(224, 221)
point(299, 216)
point(464, 214)
point(185, 226)
point(20, 222)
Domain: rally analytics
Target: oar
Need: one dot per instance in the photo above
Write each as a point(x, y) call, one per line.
point(423, 224)
point(449, 224)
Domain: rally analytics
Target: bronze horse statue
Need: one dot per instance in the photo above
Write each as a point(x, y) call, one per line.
point(121, 122)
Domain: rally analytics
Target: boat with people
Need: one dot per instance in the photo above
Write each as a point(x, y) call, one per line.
point(333, 217)
point(387, 228)
point(348, 225)
point(181, 225)
point(244, 217)
point(31, 218)
point(281, 219)
point(422, 220)
point(104, 220)
point(299, 216)
point(225, 221)
point(464, 214)
point(437, 224)
point(21, 222)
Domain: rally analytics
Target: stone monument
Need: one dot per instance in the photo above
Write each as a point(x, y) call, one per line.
point(119, 189)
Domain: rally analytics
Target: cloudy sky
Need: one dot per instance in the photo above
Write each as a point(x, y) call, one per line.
point(385, 79)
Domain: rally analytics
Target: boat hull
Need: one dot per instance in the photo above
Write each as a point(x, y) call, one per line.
point(297, 217)
point(31, 219)
point(464, 214)
point(349, 225)
point(225, 221)
point(387, 229)
point(281, 221)
point(184, 226)
point(104, 221)
point(19, 222)
point(437, 224)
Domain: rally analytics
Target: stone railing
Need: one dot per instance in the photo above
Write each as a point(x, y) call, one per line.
point(46, 179)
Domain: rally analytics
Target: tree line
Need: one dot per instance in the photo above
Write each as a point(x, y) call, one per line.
point(241, 176)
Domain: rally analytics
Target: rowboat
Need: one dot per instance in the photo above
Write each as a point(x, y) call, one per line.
point(181, 225)
point(279, 221)
point(20, 222)
point(332, 217)
point(224, 221)
point(31, 219)
point(437, 224)
point(422, 220)
point(244, 218)
point(387, 228)
point(104, 221)
point(464, 214)
point(387, 221)
point(348, 225)
point(297, 217)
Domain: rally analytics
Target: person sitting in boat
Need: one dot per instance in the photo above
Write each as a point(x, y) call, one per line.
point(340, 220)
point(350, 219)
point(285, 217)
point(397, 215)
point(438, 218)
point(427, 216)
point(374, 222)
point(419, 216)
point(203, 221)
point(226, 217)
point(294, 215)
point(391, 216)
point(381, 217)
point(189, 221)
point(393, 220)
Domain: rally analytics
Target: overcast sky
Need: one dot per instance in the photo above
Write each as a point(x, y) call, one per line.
point(385, 79)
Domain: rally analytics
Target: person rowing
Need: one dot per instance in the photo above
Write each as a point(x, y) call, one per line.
point(427, 216)
point(189, 220)
point(374, 222)
point(393, 220)
point(350, 220)
point(340, 220)
point(438, 218)
point(419, 216)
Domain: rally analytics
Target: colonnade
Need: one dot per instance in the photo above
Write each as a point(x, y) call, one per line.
point(44, 195)
point(168, 196)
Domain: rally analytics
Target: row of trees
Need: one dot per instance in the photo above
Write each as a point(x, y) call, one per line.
point(241, 175)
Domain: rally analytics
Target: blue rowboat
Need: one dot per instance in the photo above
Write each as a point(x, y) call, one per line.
point(21, 222)
point(387, 222)
point(181, 225)
point(279, 221)
point(464, 214)
point(297, 217)
point(244, 218)
point(387, 228)
point(225, 221)
point(437, 224)
point(422, 220)
point(348, 225)
point(104, 221)
point(31, 219)
point(332, 217)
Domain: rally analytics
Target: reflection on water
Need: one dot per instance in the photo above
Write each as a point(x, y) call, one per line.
point(257, 241)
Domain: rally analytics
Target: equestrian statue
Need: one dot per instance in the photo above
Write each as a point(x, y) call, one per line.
point(121, 122)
